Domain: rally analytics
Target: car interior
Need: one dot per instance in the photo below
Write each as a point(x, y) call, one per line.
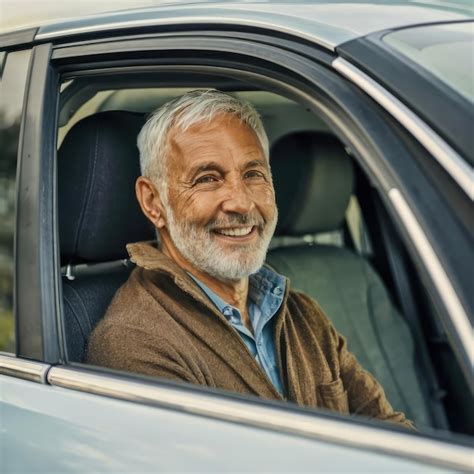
point(334, 240)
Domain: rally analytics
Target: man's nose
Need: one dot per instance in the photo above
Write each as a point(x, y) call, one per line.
point(238, 199)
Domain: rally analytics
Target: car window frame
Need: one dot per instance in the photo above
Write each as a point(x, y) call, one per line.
point(37, 272)
point(44, 97)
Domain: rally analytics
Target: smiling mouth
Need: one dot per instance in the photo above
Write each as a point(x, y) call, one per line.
point(235, 231)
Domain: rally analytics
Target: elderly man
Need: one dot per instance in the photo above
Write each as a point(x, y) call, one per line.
point(202, 307)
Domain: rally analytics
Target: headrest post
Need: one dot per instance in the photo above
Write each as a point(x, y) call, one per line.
point(69, 275)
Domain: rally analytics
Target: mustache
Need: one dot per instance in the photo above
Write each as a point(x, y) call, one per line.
point(236, 219)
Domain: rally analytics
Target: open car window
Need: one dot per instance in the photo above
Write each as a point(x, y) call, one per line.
point(345, 266)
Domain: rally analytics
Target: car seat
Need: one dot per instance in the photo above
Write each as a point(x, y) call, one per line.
point(314, 179)
point(98, 164)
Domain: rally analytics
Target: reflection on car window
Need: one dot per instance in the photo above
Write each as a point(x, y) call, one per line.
point(12, 88)
point(444, 50)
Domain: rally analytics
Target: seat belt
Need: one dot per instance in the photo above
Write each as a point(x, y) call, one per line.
point(408, 307)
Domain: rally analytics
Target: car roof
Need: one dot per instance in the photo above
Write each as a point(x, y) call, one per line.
point(327, 23)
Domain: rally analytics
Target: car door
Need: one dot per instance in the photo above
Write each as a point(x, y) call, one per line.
point(61, 416)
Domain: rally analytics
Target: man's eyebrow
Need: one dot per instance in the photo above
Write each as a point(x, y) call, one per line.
point(256, 163)
point(207, 166)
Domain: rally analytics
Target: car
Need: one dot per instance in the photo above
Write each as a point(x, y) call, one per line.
point(368, 108)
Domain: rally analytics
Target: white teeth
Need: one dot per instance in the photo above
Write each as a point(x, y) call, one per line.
point(237, 232)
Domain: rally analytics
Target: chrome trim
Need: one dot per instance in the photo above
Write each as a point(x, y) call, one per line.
point(436, 272)
point(178, 21)
point(289, 421)
point(23, 369)
point(451, 161)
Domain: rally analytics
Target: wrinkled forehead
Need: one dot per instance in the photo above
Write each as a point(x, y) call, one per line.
point(223, 136)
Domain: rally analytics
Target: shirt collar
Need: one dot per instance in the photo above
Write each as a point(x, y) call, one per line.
point(260, 284)
point(265, 281)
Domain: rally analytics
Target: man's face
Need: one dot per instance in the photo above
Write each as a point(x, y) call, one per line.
point(221, 204)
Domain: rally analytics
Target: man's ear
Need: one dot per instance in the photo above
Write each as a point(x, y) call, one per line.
point(150, 202)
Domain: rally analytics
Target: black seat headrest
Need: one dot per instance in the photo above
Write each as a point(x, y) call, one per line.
point(314, 178)
point(98, 163)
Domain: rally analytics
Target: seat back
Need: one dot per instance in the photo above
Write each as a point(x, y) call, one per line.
point(314, 178)
point(98, 164)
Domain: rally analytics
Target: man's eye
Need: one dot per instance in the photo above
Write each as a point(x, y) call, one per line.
point(206, 179)
point(254, 174)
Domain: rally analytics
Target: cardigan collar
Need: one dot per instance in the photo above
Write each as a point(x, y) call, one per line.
point(147, 256)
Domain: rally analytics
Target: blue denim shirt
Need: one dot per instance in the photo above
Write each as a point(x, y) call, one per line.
point(266, 291)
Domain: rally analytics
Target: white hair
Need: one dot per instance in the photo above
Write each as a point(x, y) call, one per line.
point(184, 112)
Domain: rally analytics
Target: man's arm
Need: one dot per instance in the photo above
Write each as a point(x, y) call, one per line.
point(131, 349)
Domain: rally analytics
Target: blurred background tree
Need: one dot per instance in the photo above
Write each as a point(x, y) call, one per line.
point(9, 132)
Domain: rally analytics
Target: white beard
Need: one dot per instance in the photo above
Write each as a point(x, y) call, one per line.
point(200, 247)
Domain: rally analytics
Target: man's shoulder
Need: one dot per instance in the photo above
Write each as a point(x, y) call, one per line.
point(132, 319)
point(129, 297)
point(131, 306)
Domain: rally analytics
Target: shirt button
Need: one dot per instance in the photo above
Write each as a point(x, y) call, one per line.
point(277, 291)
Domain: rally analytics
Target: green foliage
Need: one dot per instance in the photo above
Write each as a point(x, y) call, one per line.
point(7, 333)
point(9, 133)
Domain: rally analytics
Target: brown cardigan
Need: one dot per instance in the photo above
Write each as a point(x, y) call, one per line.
point(160, 323)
